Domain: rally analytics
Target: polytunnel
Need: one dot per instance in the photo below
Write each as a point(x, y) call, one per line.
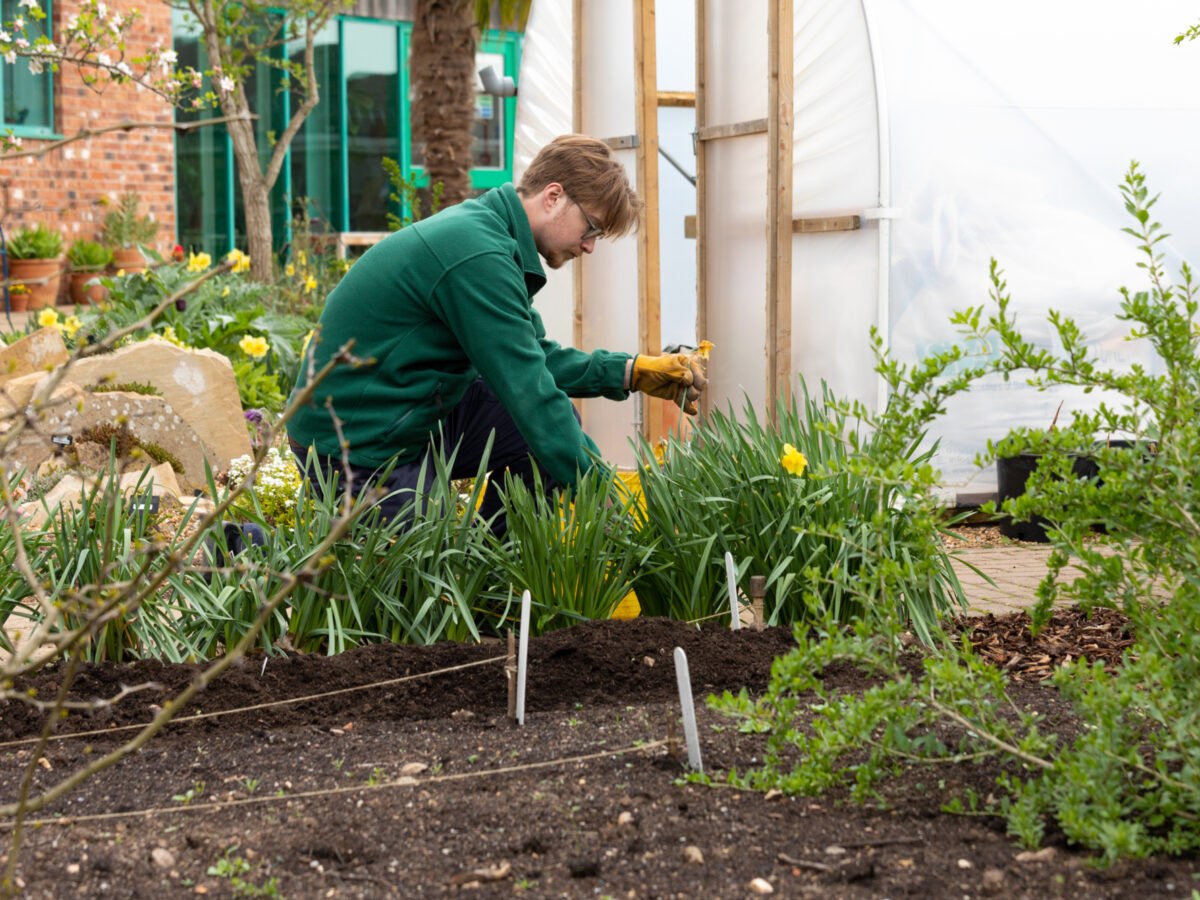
point(859, 163)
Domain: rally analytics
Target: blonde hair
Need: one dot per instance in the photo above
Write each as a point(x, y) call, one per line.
point(591, 176)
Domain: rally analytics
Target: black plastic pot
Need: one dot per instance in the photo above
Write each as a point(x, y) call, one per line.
point(1012, 472)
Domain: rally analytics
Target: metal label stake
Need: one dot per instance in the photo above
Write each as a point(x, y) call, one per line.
point(523, 658)
point(735, 618)
point(690, 734)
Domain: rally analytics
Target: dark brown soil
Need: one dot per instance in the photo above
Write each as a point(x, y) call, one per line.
point(580, 802)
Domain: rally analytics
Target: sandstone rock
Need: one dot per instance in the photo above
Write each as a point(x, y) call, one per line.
point(37, 352)
point(197, 385)
point(163, 858)
point(150, 419)
point(160, 481)
point(693, 855)
point(1046, 853)
point(761, 886)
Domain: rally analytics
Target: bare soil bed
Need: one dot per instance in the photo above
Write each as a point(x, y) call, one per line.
point(423, 788)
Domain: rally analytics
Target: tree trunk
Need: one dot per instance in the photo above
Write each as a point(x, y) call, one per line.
point(443, 104)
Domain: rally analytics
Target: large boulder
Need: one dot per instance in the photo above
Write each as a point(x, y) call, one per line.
point(37, 352)
point(63, 420)
point(198, 389)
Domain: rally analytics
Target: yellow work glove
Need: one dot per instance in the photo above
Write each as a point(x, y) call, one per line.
point(677, 377)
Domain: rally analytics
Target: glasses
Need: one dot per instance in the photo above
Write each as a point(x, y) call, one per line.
point(594, 232)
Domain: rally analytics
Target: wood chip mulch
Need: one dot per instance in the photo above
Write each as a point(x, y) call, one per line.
point(1006, 641)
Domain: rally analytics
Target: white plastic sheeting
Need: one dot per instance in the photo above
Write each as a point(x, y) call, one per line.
point(991, 129)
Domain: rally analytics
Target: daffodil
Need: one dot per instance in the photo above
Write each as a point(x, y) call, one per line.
point(198, 262)
point(47, 318)
point(290, 270)
point(225, 293)
point(310, 284)
point(793, 460)
point(254, 346)
point(241, 262)
point(704, 348)
point(71, 326)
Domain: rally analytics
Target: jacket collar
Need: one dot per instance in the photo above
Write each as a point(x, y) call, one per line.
point(506, 202)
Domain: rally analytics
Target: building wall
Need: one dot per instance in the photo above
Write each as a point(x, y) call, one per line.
point(61, 188)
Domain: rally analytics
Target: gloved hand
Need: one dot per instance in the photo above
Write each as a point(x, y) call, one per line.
point(677, 377)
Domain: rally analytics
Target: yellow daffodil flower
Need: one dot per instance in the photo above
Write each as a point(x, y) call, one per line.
point(703, 350)
point(310, 285)
point(793, 460)
point(241, 262)
point(225, 293)
point(47, 318)
point(290, 270)
point(254, 346)
point(198, 262)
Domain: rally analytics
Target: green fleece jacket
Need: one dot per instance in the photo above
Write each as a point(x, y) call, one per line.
point(433, 307)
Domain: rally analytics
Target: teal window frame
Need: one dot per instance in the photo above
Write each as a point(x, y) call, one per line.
point(32, 131)
point(507, 43)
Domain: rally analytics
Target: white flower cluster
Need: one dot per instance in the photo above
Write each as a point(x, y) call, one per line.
point(276, 485)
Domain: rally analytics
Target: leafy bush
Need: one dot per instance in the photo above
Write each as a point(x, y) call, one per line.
point(1129, 784)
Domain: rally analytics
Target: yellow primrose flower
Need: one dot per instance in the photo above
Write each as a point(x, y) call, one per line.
point(241, 262)
point(310, 284)
point(225, 293)
point(47, 318)
point(254, 346)
point(198, 262)
point(793, 460)
point(703, 350)
point(72, 325)
point(291, 270)
point(120, 272)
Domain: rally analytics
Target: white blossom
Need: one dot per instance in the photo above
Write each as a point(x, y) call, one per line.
point(226, 84)
point(5, 37)
point(10, 57)
point(35, 66)
point(28, 4)
point(103, 59)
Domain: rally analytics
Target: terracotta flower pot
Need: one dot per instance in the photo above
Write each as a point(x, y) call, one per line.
point(39, 294)
point(128, 259)
point(84, 293)
point(18, 302)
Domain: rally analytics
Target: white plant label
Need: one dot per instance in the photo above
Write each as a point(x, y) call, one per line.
point(684, 681)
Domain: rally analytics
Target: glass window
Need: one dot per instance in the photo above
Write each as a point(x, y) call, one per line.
point(372, 84)
point(316, 160)
point(487, 152)
point(28, 98)
point(203, 163)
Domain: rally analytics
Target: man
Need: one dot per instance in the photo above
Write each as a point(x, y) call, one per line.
point(444, 312)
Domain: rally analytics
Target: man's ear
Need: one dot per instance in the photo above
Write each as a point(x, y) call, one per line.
point(551, 194)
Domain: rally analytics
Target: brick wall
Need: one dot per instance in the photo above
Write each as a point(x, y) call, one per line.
point(61, 188)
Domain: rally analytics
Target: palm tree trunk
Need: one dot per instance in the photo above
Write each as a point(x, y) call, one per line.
point(443, 103)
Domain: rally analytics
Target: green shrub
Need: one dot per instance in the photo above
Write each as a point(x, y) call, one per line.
point(1129, 784)
point(124, 226)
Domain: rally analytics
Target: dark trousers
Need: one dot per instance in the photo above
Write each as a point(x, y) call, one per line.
point(466, 429)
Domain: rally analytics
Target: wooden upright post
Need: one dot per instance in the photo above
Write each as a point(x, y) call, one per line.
point(779, 202)
point(701, 192)
point(649, 299)
point(577, 127)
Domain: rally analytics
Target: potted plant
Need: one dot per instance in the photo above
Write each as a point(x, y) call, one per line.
point(33, 260)
point(18, 298)
point(88, 259)
point(124, 229)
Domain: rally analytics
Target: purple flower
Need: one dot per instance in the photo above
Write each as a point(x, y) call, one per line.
point(181, 304)
point(253, 415)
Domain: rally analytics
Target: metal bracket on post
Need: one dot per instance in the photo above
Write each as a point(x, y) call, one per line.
point(624, 142)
